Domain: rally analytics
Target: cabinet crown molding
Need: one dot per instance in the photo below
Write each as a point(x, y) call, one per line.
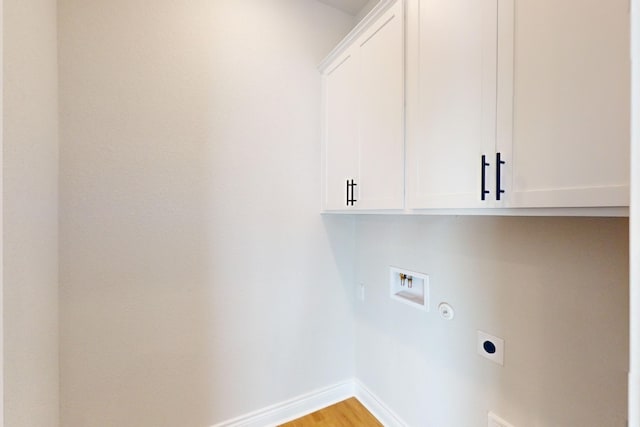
point(356, 32)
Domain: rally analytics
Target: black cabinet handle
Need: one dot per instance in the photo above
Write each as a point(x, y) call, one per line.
point(499, 163)
point(351, 200)
point(348, 198)
point(353, 197)
point(483, 187)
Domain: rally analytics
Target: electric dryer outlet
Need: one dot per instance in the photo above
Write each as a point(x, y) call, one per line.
point(491, 347)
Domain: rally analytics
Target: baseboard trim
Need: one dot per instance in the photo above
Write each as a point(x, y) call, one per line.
point(305, 404)
point(293, 408)
point(376, 406)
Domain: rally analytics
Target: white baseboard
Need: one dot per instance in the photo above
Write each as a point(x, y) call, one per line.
point(377, 407)
point(293, 408)
point(300, 406)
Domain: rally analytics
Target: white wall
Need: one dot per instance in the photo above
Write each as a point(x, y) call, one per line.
point(634, 365)
point(198, 281)
point(556, 290)
point(2, 215)
point(30, 199)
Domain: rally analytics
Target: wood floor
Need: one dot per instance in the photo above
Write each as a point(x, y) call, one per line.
point(348, 413)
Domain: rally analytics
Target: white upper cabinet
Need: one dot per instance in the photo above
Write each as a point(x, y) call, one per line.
point(363, 126)
point(569, 145)
point(512, 107)
point(451, 102)
point(523, 101)
point(340, 128)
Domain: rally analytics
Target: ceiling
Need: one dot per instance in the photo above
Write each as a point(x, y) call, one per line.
point(352, 7)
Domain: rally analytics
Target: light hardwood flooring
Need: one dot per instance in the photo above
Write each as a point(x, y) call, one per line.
point(348, 413)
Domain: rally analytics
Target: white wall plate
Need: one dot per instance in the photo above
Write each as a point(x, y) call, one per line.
point(491, 347)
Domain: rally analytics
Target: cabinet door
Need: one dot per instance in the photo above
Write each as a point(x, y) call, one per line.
point(340, 129)
point(381, 113)
point(452, 102)
point(364, 119)
point(570, 143)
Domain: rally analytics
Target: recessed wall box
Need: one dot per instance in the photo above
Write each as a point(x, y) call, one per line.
point(409, 287)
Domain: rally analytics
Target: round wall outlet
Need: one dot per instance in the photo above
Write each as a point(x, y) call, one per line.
point(491, 347)
point(446, 311)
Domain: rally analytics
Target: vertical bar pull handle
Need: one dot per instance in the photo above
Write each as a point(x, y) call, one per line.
point(350, 193)
point(353, 197)
point(348, 198)
point(499, 163)
point(483, 186)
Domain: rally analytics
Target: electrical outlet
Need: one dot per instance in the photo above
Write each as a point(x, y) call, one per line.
point(361, 291)
point(491, 347)
point(446, 311)
point(496, 421)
